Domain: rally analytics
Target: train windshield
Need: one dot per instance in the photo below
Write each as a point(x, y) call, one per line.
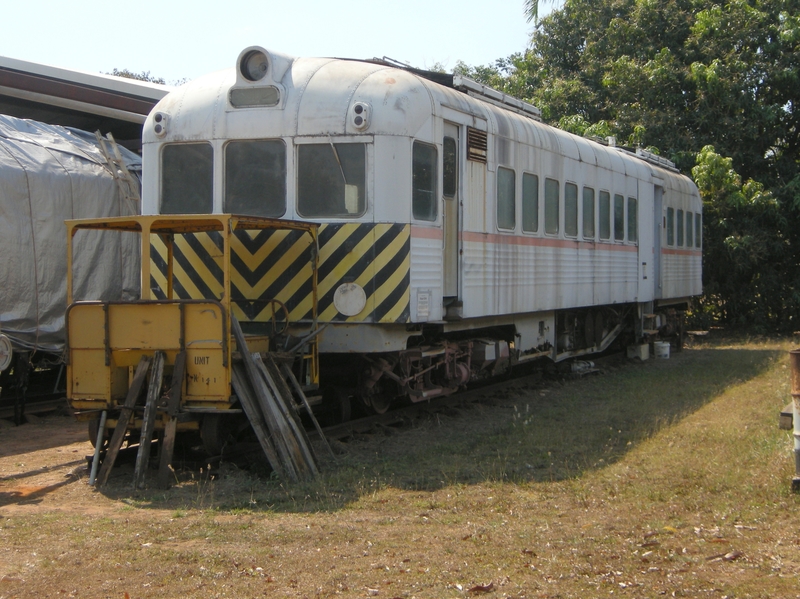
point(331, 180)
point(255, 178)
point(187, 179)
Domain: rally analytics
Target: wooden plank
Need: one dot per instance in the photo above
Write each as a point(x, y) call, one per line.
point(171, 429)
point(287, 372)
point(175, 389)
point(286, 431)
point(122, 423)
point(149, 420)
point(245, 394)
point(265, 403)
point(283, 396)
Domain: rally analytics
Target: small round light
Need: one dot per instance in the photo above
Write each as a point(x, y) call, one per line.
point(158, 129)
point(358, 109)
point(158, 118)
point(359, 121)
point(254, 65)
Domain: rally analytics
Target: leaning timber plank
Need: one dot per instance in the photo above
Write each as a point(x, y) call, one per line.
point(276, 424)
point(285, 403)
point(245, 394)
point(287, 372)
point(122, 423)
point(171, 429)
point(288, 426)
point(149, 420)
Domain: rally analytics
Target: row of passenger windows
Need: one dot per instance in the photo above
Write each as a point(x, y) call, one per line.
point(331, 179)
point(611, 221)
point(612, 216)
point(675, 224)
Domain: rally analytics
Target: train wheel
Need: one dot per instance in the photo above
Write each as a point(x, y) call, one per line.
point(379, 404)
point(342, 406)
point(221, 431)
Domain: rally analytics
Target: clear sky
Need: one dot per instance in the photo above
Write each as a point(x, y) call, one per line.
point(177, 39)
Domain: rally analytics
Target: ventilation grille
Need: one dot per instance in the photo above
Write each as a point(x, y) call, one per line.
point(476, 145)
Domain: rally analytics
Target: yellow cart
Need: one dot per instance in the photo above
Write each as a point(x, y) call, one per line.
point(190, 328)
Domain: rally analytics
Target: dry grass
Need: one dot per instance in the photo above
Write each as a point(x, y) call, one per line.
point(655, 479)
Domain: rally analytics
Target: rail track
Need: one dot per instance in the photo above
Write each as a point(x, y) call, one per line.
point(482, 393)
point(37, 404)
point(44, 393)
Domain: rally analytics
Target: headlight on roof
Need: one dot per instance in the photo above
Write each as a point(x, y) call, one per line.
point(254, 65)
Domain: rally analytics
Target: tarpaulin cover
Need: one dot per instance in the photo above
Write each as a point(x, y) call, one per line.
point(49, 174)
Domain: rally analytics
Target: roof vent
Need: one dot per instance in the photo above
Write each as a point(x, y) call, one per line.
point(476, 145)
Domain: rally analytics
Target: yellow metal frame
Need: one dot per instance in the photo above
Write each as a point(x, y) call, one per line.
point(105, 340)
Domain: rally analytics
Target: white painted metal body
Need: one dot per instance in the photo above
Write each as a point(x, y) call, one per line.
point(505, 276)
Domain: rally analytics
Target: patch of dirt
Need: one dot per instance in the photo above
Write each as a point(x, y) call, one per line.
point(43, 464)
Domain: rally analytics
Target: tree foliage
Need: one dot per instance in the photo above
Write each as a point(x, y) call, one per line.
point(532, 9)
point(744, 250)
point(143, 76)
point(714, 86)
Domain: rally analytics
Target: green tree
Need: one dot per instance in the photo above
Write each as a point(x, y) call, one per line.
point(687, 72)
point(745, 249)
point(532, 9)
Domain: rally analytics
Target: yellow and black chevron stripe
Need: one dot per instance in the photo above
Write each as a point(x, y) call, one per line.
point(276, 264)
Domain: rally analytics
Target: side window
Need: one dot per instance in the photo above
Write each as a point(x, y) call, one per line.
point(680, 227)
point(505, 198)
point(588, 213)
point(255, 178)
point(449, 166)
point(571, 210)
point(698, 230)
point(619, 217)
point(187, 179)
point(689, 228)
point(551, 200)
point(633, 220)
point(670, 226)
point(331, 180)
point(530, 203)
point(605, 215)
point(423, 181)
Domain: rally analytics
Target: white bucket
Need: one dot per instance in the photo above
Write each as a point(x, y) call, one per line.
point(661, 350)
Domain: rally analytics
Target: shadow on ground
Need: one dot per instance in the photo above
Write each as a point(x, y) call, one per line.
point(532, 430)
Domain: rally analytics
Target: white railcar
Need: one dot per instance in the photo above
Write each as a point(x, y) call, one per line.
point(460, 234)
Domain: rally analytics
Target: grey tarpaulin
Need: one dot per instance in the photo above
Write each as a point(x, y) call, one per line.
point(49, 174)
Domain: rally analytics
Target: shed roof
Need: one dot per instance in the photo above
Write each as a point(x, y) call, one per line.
point(87, 101)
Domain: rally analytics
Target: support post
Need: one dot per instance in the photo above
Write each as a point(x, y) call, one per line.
point(122, 422)
point(98, 447)
point(148, 420)
point(171, 429)
point(794, 361)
